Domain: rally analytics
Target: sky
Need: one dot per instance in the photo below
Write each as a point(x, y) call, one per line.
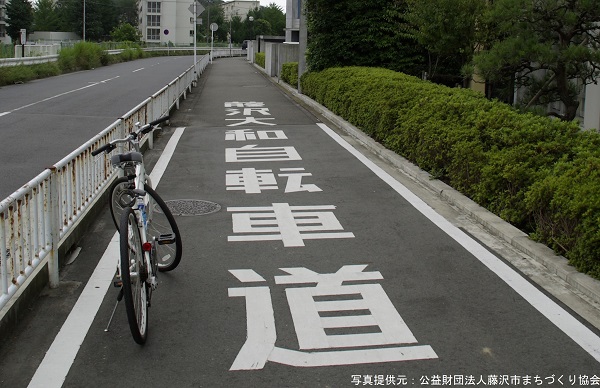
point(280, 3)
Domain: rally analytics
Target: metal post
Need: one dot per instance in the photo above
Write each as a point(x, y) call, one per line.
point(84, 20)
point(212, 38)
point(54, 219)
point(195, 27)
point(302, 44)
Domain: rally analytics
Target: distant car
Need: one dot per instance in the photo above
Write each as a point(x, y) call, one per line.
point(245, 45)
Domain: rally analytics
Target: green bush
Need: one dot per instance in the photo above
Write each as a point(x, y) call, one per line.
point(540, 174)
point(16, 74)
point(289, 73)
point(259, 59)
point(22, 73)
point(82, 56)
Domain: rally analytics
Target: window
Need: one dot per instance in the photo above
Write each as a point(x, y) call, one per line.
point(154, 7)
point(153, 34)
point(153, 20)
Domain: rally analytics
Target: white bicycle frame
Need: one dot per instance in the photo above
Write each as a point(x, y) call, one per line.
point(141, 209)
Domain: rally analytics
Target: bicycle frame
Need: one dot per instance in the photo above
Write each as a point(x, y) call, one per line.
point(133, 168)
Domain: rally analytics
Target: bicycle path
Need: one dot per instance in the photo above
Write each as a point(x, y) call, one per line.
point(312, 265)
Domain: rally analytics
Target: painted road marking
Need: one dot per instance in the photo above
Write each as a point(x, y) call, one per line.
point(385, 325)
point(59, 95)
point(577, 331)
point(59, 358)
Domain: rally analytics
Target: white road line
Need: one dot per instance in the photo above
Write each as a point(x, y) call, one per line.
point(140, 69)
point(4, 114)
point(58, 360)
point(60, 95)
point(578, 332)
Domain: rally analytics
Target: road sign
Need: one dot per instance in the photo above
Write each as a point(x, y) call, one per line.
point(199, 9)
point(214, 27)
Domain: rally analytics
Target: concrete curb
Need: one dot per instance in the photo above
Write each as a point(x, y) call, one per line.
point(556, 264)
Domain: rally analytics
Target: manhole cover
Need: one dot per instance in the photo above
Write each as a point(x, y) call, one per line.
point(191, 207)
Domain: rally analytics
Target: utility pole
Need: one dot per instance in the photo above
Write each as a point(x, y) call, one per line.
point(302, 44)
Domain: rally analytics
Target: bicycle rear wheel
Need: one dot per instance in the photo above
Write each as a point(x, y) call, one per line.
point(133, 276)
point(160, 221)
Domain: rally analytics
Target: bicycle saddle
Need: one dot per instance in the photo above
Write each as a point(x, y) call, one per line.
point(134, 157)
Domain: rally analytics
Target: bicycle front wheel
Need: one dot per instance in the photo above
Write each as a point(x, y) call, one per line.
point(134, 273)
point(160, 221)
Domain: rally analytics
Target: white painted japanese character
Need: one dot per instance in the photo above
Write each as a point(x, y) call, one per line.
point(253, 153)
point(249, 134)
point(249, 120)
point(247, 111)
point(382, 328)
point(290, 224)
point(294, 182)
point(249, 104)
point(253, 181)
point(250, 180)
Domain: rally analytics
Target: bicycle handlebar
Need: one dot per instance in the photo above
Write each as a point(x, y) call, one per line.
point(107, 147)
point(142, 131)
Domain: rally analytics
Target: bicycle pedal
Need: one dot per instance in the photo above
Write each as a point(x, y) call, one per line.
point(165, 239)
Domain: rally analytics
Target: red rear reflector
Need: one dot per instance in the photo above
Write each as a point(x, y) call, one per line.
point(147, 247)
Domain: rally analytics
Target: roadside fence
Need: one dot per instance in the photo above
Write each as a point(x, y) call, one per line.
point(38, 218)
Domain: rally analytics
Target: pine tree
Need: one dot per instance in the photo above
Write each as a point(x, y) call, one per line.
point(19, 15)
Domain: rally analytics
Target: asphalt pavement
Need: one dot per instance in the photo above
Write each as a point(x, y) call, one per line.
point(308, 260)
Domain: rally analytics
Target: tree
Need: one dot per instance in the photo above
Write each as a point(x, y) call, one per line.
point(548, 46)
point(19, 15)
point(361, 33)
point(44, 16)
point(100, 17)
point(213, 13)
point(267, 21)
point(447, 30)
point(127, 11)
point(125, 32)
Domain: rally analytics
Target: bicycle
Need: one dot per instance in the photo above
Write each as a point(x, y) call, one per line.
point(149, 237)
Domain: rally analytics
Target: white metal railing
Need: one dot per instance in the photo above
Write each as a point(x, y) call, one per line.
point(217, 52)
point(37, 218)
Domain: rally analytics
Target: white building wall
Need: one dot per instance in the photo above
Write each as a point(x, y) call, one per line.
point(174, 17)
point(238, 8)
point(591, 118)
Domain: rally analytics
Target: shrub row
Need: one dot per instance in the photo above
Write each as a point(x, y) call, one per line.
point(541, 175)
point(259, 59)
point(82, 56)
point(289, 73)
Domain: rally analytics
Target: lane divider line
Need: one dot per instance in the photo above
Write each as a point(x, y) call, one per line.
point(574, 329)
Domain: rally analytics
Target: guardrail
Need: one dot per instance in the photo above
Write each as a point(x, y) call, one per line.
point(218, 52)
point(36, 219)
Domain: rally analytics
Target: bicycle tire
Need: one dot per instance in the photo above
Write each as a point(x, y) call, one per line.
point(133, 276)
point(159, 223)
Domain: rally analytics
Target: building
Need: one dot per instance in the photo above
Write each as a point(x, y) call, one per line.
point(4, 38)
point(163, 22)
point(238, 8)
point(292, 21)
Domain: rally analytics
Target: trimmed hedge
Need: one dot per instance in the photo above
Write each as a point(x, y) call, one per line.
point(289, 73)
point(259, 59)
point(541, 175)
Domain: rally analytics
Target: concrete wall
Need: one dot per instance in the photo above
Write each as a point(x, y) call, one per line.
point(276, 54)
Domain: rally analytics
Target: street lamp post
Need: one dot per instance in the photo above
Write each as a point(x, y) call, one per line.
point(84, 20)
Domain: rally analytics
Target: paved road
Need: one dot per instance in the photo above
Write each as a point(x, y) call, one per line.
point(45, 120)
point(320, 269)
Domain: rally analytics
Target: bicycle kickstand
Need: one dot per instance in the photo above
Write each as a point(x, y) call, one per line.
point(119, 297)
